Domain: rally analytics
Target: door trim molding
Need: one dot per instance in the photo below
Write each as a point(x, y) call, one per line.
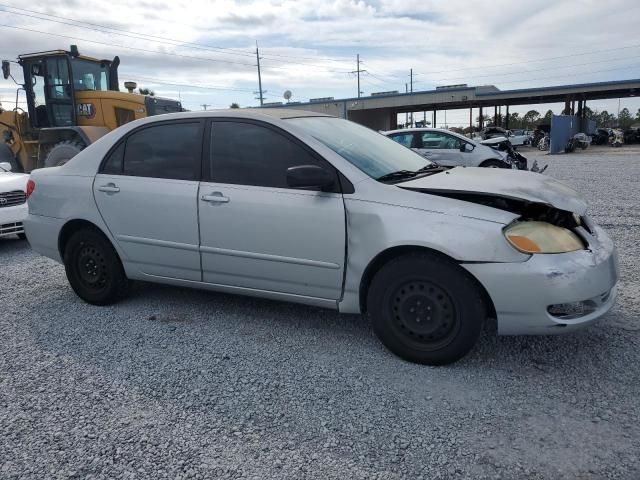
point(270, 258)
point(157, 243)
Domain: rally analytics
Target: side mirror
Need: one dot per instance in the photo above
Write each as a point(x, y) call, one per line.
point(309, 176)
point(6, 166)
point(467, 147)
point(6, 69)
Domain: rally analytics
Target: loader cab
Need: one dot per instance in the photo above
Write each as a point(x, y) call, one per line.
point(51, 80)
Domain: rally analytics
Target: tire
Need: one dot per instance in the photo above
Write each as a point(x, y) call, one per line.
point(435, 287)
point(62, 152)
point(22, 236)
point(494, 164)
point(94, 269)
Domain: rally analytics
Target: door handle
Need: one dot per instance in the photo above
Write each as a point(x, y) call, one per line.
point(215, 197)
point(109, 188)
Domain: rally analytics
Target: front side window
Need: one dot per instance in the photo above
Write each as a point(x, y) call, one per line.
point(250, 154)
point(164, 151)
point(369, 151)
point(403, 139)
point(90, 75)
point(440, 141)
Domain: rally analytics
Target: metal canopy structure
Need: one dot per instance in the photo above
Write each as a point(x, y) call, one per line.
point(379, 111)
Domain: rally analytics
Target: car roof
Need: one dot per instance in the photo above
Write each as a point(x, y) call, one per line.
point(427, 129)
point(250, 113)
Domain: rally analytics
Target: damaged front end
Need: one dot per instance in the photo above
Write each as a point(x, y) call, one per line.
point(539, 228)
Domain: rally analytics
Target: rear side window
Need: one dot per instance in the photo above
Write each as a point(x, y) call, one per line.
point(113, 163)
point(250, 154)
point(164, 151)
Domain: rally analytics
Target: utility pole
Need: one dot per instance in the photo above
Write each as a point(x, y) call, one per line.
point(411, 80)
point(358, 71)
point(260, 92)
point(406, 115)
point(205, 105)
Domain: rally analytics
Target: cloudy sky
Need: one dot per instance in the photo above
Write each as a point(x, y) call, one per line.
point(204, 51)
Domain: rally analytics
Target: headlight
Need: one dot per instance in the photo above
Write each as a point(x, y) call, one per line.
point(542, 237)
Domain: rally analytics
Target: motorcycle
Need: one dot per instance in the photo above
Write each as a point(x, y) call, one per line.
point(616, 139)
point(544, 143)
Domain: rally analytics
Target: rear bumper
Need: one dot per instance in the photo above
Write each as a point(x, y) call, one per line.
point(43, 233)
point(523, 292)
point(11, 219)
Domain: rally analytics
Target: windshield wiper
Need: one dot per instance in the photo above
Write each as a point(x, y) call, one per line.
point(397, 175)
point(430, 166)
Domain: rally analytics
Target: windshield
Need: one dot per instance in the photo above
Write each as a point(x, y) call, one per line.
point(372, 152)
point(88, 75)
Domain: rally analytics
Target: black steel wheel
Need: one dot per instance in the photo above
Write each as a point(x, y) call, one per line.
point(425, 315)
point(93, 268)
point(425, 308)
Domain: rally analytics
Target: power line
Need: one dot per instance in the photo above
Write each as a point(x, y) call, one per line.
point(155, 38)
point(127, 47)
point(126, 33)
point(496, 75)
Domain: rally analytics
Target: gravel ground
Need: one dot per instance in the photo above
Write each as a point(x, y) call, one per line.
point(175, 383)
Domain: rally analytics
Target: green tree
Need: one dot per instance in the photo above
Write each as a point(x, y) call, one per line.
point(624, 119)
point(546, 120)
point(234, 105)
point(146, 91)
point(530, 118)
point(515, 121)
point(638, 115)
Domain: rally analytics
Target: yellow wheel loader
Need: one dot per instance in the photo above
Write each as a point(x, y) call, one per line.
point(72, 100)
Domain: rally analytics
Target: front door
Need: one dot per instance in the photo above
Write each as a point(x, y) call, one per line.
point(146, 192)
point(441, 148)
point(255, 231)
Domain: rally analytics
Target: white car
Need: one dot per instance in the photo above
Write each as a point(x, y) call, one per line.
point(308, 208)
point(519, 138)
point(13, 201)
point(449, 149)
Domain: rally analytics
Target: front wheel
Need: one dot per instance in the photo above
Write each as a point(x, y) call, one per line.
point(494, 164)
point(93, 268)
point(425, 309)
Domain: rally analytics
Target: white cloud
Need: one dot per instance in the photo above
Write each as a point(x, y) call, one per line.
point(309, 46)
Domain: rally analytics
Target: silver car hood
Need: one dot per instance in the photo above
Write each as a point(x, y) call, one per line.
point(532, 187)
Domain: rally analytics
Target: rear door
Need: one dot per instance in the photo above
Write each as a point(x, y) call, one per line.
point(147, 192)
point(440, 147)
point(255, 231)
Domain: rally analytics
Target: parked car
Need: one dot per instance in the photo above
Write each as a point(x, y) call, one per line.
point(13, 198)
point(632, 135)
point(309, 208)
point(518, 138)
point(449, 148)
point(600, 136)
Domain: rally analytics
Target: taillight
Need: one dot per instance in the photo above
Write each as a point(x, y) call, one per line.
point(31, 186)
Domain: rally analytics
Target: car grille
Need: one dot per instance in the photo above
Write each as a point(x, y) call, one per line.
point(11, 229)
point(11, 199)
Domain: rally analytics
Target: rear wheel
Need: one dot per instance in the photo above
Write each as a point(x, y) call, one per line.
point(425, 309)
point(93, 268)
point(62, 152)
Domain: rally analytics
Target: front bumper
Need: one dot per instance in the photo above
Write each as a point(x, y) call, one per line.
point(522, 292)
point(11, 219)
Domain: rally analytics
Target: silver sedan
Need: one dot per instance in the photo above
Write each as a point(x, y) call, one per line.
point(308, 208)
